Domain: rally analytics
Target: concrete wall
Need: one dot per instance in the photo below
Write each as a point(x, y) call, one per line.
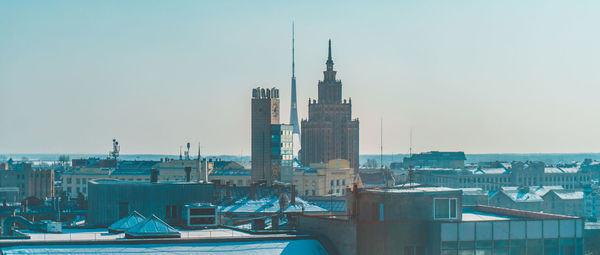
point(341, 234)
point(147, 199)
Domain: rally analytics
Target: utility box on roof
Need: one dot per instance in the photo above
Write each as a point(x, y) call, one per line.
point(200, 215)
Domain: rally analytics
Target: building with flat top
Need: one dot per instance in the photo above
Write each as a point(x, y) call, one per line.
point(29, 182)
point(272, 142)
point(330, 132)
point(320, 179)
point(432, 220)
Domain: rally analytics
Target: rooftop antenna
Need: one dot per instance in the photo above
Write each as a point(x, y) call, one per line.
point(199, 157)
point(381, 143)
point(116, 148)
point(187, 153)
point(410, 146)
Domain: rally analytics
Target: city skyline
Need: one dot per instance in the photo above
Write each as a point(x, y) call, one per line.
point(482, 78)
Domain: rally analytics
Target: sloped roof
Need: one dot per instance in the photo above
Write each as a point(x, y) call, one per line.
point(437, 155)
point(152, 227)
point(474, 192)
point(518, 196)
point(568, 194)
point(231, 172)
point(126, 222)
point(374, 179)
point(542, 190)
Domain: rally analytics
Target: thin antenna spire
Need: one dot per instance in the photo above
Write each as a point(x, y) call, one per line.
point(381, 143)
point(410, 145)
point(199, 155)
point(329, 56)
point(293, 53)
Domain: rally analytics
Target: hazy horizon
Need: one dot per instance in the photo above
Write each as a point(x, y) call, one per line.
point(480, 77)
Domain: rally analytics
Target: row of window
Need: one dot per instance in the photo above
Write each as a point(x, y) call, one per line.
point(530, 246)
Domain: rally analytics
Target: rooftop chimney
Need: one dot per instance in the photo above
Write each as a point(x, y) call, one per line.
point(153, 176)
point(205, 170)
point(293, 200)
point(188, 172)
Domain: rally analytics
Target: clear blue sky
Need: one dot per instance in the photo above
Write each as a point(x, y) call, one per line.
point(478, 76)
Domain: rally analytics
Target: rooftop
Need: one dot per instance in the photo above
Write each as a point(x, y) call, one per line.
point(303, 246)
point(269, 205)
point(437, 190)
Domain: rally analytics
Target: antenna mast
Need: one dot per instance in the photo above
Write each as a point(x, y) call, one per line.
point(381, 143)
point(410, 148)
point(116, 148)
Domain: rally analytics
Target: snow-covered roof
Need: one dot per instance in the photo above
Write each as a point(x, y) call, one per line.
point(151, 227)
point(269, 205)
point(542, 190)
point(481, 216)
point(518, 196)
point(126, 222)
point(496, 170)
point(473, 191)
point(568, 194)
point(416, 190)
point(560, 170)
point(304, 246)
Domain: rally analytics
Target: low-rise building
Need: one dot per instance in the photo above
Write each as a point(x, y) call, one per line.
point(331, 178)
point(432, 220)
point(435, 159)
point(504, 174)
point(30, 182)
point(75, 181)
point(238, 177)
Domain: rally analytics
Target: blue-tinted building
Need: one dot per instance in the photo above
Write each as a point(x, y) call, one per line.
point(282, 152)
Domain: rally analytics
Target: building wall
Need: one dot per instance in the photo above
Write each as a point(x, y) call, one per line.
point(265, 112)
point(342, 234)
point(554, 204)
point(465, 179)
point(502, 200)
point(31, 182)
point(238, 180)
point(334, 177)
point(105, 200)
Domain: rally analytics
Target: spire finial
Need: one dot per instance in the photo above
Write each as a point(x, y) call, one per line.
point(329, 58)
point(293, 49)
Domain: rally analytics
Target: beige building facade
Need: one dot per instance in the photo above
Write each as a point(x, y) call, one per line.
point(323, 179)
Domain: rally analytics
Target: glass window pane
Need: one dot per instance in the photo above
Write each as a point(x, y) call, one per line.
point(453, 208)
point(441, 208)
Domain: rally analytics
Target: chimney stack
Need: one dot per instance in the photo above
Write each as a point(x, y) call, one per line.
point(188, 172)
point(293, 200)
point(153, 175)
point(253, 191)
point(205, 170)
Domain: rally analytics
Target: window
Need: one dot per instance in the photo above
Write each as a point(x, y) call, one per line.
point(444, 208)
point(68, 180)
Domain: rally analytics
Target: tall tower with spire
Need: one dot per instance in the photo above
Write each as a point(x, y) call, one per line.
point(294, 107)
point(330, 132)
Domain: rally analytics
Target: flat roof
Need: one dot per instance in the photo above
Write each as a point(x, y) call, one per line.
point(102, 234)
point(482, 216)
point(303, 246)
point(432, 190)
point(121, 182)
